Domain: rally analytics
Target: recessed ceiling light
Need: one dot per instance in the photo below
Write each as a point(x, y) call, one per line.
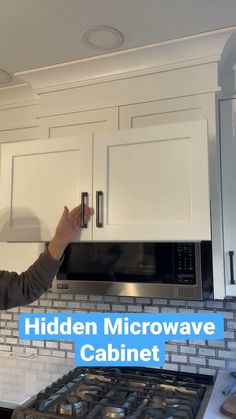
point(103, 37)
point(5, 77)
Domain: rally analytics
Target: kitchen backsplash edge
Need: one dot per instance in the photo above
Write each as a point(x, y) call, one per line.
point(198, 356)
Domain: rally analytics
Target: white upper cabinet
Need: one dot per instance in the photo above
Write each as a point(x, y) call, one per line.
point(79, 123)
point(148, 184)
point(37, 179)
point(168, 111)
point(153, 183)
point(228, 167)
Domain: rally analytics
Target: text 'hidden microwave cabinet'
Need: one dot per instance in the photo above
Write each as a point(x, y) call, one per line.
point(147, 184)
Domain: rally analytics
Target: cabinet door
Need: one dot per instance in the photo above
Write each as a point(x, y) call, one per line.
point(37, 179)
point(153, 183)
point(79, 123)
point(228, 167)
point(168, 111)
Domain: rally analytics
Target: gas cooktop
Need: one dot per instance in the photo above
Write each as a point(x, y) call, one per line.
point(131, 393)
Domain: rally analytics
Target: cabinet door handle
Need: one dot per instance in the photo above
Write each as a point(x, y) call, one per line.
point(99, 209)
point(84, 201)
point(231, 263)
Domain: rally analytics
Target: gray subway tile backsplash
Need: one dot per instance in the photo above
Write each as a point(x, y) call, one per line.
point(207, 352)
point(188, 350)
point(204, 357)
point(220, 363)
point(197, 360)
point(188, 368)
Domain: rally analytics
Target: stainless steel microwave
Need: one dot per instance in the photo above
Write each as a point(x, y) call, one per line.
point(158, 270)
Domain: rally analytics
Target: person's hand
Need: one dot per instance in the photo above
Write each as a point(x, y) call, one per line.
point(67, 230)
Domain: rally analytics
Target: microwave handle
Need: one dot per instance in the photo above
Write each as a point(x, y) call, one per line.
point(231, 264)
point(99, 209)
point(84, 201)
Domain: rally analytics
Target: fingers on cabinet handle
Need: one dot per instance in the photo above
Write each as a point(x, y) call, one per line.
point(84, 201)
point(99, 209)
point(231, 264)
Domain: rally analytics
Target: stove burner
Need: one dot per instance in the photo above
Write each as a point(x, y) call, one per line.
point(113, 412)
point(88, 393)
point(73, 407)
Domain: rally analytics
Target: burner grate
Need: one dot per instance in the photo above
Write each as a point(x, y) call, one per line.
point(104, 393)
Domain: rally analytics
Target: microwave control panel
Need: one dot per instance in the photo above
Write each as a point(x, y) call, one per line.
point(185, 263)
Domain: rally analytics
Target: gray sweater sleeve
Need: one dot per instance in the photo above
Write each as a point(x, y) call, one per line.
point(21, 289)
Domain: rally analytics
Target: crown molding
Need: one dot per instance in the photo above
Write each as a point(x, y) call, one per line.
point(124, 75)
point(164, 56)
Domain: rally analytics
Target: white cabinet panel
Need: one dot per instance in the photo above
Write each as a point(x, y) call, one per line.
point(228, 165)
point(143, 165)
point(19, 134)
point(166, 111)
point(37, 179)
point(154, 182)
point(18, 257)
point(79, 123)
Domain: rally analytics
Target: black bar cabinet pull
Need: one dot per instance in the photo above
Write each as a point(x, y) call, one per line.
point(99, 209)
point(231, 262)
point(84, 201)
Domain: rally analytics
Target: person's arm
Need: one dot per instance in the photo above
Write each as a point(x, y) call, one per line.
point(20, 289)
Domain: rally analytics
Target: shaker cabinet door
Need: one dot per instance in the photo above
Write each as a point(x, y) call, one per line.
point(168, 111)
point(228, 167)
point(152, 183)
point(78, 124)
point(37, 179)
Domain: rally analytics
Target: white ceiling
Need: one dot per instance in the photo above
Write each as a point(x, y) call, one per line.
point(38, 33)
